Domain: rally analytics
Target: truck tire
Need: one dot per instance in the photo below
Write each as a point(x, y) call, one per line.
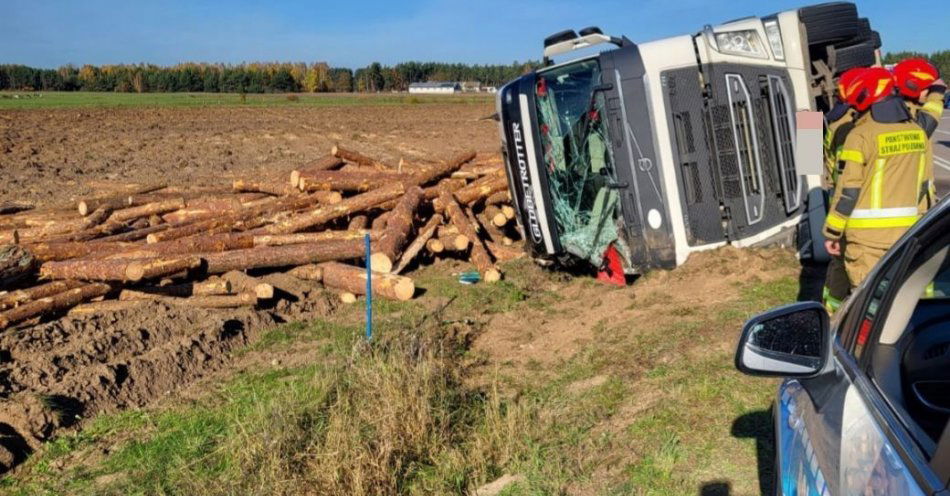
point(860, 55)
point(830, 22)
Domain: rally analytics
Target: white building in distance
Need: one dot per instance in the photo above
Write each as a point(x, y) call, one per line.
point(435, 87)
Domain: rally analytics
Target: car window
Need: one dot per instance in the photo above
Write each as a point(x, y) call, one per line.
point(907, 316)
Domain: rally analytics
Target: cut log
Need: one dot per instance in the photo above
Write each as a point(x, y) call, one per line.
point(504, 253)
point(454, 242)
point(347, 298)
point(309, 272)
point(465, 175)
point(358, 158)
point(275, 189)
point(399, 225)
point(508, 211)
point(117, 270)
point(381, 263)
point(298, 238)
point(160, 267)
point(492, 231)
point(476, 191)
point(192, 244)
point(20, 296)
point(117, 201)
point(283, 256)
point(97, 217)
point(435, 246)
point(149, 209)
point(50, 304)
point(204, 288)
point(498, 198)
point(495, 215)
point(425, 234)
point(353, 280)
point(133, 235)
point(34, 234)
point(14, 206)
point(462, 222)
point(436, 172)
point(325, 163)
point(107, 306)
point(58, 251)
point(212, 301)
point(358, 222)
point(358, 181)
point(432, 192)
point(379, 223)
point(16, 264)
point(348, 206)
point(244, 283)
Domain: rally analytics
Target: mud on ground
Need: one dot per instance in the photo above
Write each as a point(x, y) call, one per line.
point(56, 374)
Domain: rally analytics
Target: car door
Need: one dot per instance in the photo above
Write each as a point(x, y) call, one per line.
point(843, 431)
point(882, 450)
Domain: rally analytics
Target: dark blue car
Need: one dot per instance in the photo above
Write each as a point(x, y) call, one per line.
point(864, 406)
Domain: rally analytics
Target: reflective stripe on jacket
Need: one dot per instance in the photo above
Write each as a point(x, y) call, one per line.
point(928, 114)
point(835, 132)
point(885, 186)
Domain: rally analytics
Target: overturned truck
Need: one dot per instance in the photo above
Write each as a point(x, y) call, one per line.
point(643, 154)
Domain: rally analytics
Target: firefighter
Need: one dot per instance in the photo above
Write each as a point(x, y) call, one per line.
point(877, 197)
point(919, 83)
point(838, 123)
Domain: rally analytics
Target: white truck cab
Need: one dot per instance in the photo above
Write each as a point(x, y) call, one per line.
point(677, 145)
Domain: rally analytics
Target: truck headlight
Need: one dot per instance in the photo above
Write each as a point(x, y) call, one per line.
point(774, 34)
point(745, 42)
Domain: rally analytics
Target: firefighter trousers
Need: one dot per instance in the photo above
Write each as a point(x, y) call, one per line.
point(859, 260)
point(837, 285)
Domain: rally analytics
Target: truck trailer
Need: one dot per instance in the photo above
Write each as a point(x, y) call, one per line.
point(648, 152)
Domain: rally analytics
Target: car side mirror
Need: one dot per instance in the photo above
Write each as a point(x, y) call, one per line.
point(789, 341)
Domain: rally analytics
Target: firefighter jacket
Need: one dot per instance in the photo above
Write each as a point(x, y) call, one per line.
point(928, 114)
point(838, 122)
point(885, 185)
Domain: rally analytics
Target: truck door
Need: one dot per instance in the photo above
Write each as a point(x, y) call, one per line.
point(642, 198)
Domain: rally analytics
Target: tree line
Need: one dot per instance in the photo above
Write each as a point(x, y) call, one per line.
point(279, 77)
point(250, 78)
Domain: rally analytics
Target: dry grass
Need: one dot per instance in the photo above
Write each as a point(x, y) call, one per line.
point(647, 406)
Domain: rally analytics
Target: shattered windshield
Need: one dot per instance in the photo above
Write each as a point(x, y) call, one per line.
point(577, 158)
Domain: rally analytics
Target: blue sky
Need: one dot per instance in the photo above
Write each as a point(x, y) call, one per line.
point(49, 33)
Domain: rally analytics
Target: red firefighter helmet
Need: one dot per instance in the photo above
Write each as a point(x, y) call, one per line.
point(913, 76)
point(868, 88)
point(847, 78)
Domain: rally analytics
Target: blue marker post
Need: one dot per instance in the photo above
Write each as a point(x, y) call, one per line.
point(369, 292)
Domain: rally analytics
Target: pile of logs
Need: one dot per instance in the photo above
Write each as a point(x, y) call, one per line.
point(196, 246)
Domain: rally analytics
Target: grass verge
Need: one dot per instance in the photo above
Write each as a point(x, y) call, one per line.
point(644, 408)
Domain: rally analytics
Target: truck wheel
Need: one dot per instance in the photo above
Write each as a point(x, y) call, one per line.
point(860, 55)
point(830, 22)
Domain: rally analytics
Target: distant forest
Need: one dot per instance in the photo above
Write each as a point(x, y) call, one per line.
point(251, 78)
point(285, 77)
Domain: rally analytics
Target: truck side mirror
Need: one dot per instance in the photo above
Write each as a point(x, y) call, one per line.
point(789, 341)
